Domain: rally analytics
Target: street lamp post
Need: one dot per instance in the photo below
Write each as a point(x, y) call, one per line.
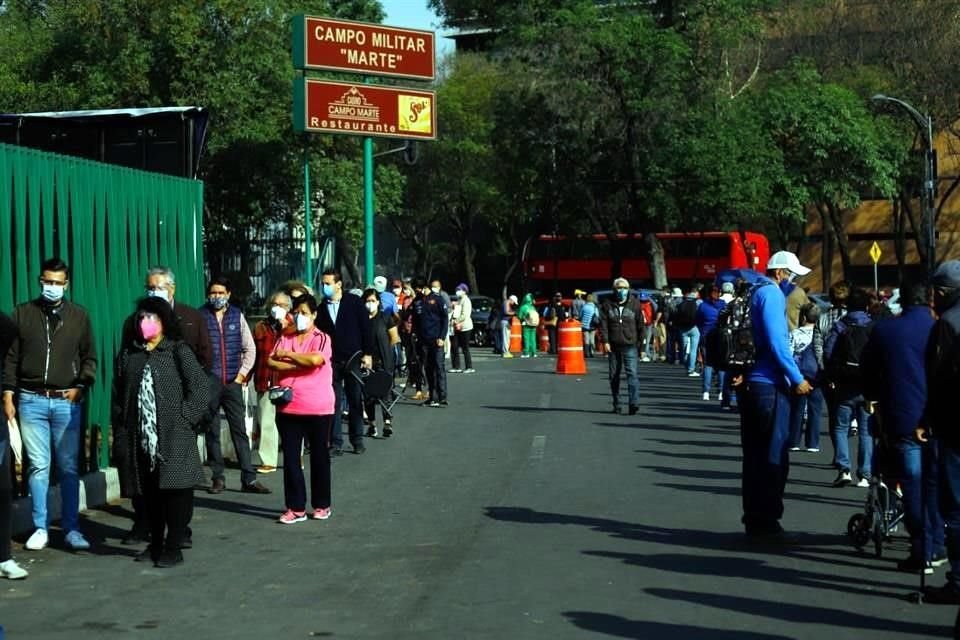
point(925, 123)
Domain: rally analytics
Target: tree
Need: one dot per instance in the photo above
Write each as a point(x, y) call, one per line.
point(230, 56)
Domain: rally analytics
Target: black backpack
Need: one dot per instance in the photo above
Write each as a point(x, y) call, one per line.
point(686, 315)
point(731, 344)
point(843, 367)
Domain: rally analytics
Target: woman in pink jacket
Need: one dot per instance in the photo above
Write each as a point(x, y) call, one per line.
point(302, 360)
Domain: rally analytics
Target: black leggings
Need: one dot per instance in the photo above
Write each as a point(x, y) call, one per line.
point(6, 502)
point(293, 430)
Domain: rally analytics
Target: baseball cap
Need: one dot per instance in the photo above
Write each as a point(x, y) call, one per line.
point(380, 284)
point(513, 299)
point(676, 293)
point(644, 295)
point(947, 275)
point(726, 287)
point(787, 260)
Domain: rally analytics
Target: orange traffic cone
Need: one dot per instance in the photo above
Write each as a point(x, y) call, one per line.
point(516, 336)
point(570, 351)
point(543, 338)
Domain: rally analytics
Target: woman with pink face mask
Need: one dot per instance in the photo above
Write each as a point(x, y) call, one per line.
point(160, 396)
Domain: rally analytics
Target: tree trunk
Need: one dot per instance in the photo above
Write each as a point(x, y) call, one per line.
point(655, 258)
point(826, 253)
point(469, 257)
point(916, 227)
point(843, 243)
point(348, 263)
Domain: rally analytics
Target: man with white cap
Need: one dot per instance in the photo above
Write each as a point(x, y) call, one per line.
point(506, 318)
point(765, 401)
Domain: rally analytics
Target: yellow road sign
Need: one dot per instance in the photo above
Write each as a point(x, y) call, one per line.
point(875, 253)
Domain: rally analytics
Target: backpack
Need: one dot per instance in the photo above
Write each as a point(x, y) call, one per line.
point(732, 347)
point(686, 315)
point(533, 318)
point(843, 367)
point(807, 363)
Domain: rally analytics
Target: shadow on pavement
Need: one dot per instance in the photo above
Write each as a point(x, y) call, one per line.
point(621, 627)
point(692, 456)
point(540, 410)
point(663, 427)
point(801, 614)
point(240, 508)
point(735, 491)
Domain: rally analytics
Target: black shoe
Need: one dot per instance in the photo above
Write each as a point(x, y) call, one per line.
point(941, 595)
point(633, 409)
point(135, 537)
point(387, 429)
point(939, 559)
point(218, 486)
point(359, 449)
point(336, 452)
point(254, 487)
point(187, 541)
point(913, 564)
point(147, 554)
point(444, 403)
point(169, 558)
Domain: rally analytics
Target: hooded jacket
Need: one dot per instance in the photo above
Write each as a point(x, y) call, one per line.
point(525, 308)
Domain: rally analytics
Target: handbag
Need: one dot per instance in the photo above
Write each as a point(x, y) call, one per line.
point(280, 395)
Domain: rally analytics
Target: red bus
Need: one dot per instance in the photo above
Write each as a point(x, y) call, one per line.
point(586, 260)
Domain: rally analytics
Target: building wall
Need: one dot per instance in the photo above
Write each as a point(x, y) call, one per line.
point(874, 221)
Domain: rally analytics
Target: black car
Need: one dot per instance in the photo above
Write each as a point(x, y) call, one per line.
point(482, 308)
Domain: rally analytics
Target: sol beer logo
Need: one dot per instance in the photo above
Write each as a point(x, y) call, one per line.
point(415, 114)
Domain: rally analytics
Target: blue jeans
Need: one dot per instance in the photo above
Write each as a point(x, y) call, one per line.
point(618, 359)
point(691, 342)
point(42, 420)
point(708, 379)
point(918, 471)
point(764, 437)
point(949, 499)
point(847, 409)
point(805, 415)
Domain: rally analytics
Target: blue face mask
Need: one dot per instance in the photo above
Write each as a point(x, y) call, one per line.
point(328, 290)
point(622, 294)
point(217, 302)
point(787, 287)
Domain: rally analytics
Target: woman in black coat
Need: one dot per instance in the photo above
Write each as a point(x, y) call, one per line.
point(160, 395)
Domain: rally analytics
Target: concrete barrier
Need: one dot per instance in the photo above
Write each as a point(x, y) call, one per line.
point(96, 489)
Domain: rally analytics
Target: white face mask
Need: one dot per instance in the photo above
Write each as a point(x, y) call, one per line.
point(435, 289)
point(278, 313)
point(372, 307)
point(397, 291)
point(459, 293)
point(52, 292)
point(159, 293)
point(303, 322)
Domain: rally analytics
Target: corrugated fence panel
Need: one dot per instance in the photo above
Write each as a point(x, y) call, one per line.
point(110, 224)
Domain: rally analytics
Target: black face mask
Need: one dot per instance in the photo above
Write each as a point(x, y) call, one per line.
point(945, 301)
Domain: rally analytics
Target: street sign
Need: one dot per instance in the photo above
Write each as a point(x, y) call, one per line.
point(357, 47)
point(362, 109)
point(875, 253)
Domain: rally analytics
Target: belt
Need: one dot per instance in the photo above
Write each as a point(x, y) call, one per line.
point(45, 393)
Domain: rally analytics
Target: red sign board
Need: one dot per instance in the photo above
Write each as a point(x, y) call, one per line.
point(362, 109)
point(358, 47)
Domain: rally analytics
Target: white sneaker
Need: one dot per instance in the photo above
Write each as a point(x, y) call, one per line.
point(795, 449)
point(469, 370)
point(12, 571)
point(76, 541)
point(814, 450)
point(37, 541)
point(720, 397)
point(693, 374)
point(864, 483)
point(706, 395)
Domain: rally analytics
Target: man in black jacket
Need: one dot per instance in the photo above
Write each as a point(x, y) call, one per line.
point(49, 366)
point(344, 318)
point(432, 325)
point(621, 324)
point(943, 380)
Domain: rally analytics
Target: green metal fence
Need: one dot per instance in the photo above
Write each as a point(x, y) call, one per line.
point(110, 224)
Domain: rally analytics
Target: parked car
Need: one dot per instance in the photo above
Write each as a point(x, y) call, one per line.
point(482, 308)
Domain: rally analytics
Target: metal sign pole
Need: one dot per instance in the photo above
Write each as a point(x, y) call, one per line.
point(307, 218)
point(368, 209)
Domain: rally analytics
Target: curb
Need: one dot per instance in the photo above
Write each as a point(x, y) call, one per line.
point(96, 489)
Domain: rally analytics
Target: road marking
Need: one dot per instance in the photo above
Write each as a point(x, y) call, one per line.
point(537, 447)
point(544, 401)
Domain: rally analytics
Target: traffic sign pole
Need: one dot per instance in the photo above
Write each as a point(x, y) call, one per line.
point(368, 209)
point(875, 254)
point(307, 217)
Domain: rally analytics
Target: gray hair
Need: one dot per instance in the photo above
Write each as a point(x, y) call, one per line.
point(620, 281)
point(281, 294)
point(166, 272)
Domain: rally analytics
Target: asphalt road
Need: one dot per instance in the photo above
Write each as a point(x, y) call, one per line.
point(524, 510)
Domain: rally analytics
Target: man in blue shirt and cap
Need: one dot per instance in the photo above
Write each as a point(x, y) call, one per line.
point(765, 403)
